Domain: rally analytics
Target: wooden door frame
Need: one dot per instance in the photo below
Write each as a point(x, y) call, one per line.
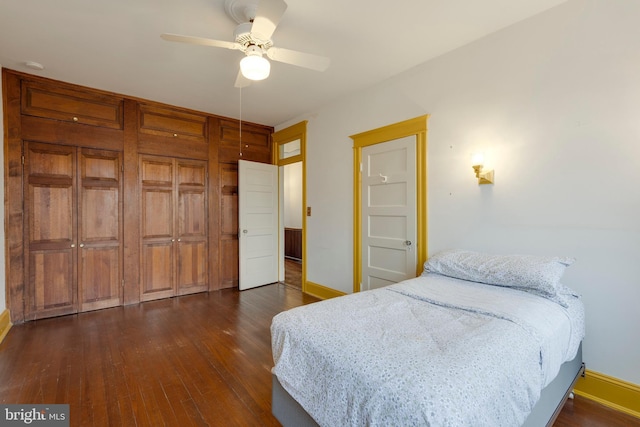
point(413, 127)
point(279, 138)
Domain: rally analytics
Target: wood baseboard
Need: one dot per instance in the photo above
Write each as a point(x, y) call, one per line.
point(320, 291)
point(611, 392)
point(5, 324)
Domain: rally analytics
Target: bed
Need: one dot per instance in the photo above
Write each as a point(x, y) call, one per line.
point(476, 340)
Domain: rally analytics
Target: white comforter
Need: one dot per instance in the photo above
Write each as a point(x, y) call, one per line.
point(428, 351)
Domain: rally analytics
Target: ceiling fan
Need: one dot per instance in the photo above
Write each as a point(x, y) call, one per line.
point(257, 20)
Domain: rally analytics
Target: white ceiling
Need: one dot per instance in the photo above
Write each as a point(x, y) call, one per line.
point(115, 45)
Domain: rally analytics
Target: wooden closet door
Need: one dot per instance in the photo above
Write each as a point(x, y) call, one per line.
point(100, 229)
point(157, 228)
point(50, 230)
point(174, 227)
point(73, 209)
point(192, 265)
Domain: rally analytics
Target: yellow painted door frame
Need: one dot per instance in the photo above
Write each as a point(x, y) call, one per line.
point(280, 138)
point(413, 127)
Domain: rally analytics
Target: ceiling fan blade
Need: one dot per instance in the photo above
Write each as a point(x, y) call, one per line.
point(200, 41)
point(301, 59)
point(267, 18)
point(241, 81)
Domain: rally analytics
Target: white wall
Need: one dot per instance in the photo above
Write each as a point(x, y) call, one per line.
point(554, 101)
point(3, 279)
point(293, 195)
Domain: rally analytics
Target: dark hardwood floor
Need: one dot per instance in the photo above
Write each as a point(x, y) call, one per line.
point(293, 272)
point(581, 412)
point(197, 360)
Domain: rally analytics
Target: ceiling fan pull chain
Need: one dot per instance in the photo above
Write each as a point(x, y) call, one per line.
point(240, 130)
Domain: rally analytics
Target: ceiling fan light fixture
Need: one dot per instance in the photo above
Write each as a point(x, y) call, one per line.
point(257, 20)
point(255, 67)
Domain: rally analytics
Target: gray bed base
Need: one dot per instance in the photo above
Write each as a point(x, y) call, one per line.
point(554, 395)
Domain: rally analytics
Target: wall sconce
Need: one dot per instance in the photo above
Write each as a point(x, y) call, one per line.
point(477, 160)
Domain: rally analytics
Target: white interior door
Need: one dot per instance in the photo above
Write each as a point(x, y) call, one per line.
point(388, 213)
point(258, 223)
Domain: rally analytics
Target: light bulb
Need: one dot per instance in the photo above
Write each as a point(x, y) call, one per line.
point(255, 67)
point(477, 159)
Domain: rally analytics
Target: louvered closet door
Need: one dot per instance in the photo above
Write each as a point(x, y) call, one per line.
point(173, 227)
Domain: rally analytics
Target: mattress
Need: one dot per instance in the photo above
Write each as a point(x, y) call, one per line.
point(428, 351)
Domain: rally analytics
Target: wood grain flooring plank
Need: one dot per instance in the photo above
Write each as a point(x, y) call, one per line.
point(192, 414)
point(125, 413)
point(138, 409)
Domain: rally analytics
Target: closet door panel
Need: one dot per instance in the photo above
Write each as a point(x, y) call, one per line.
point(51, 282)
point(172, 122)
point(100, 230)
point(192, 226)
point(101, 214)
point(156, 171)
point(100, 278)
point(68, 133)
point(157, 245)
point(229, 264)
point(157, 271)
point(51, 204)
point(157, 213)
point(157, 209)
point(192, 213)
point(252, 142)
point(50, 232)
point(67, 103)
point(192, 267)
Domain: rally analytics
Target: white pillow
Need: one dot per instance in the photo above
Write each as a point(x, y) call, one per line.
point(536, 274)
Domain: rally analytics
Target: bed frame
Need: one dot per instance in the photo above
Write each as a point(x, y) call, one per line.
point(552, 399)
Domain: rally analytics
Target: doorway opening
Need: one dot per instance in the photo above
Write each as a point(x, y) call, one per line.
point(292, 222)
point(289, 156)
